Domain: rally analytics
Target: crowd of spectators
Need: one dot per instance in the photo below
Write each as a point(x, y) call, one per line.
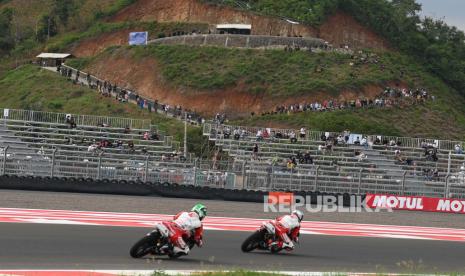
point(123, 95)
point(387, 98)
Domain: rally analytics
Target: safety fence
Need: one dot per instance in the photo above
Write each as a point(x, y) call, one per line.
point(228, 175)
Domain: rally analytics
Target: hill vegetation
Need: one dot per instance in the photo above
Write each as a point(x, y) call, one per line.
point(439, 47)
point(274, 72)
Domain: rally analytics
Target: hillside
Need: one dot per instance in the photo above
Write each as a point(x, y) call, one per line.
point(211, 80)
point(54, 93)
point(395, 53)
point(339, 28)
point(238, 82)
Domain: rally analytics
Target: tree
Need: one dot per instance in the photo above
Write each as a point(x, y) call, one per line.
point(62, 10)
point(6, 37)
point(46, 28)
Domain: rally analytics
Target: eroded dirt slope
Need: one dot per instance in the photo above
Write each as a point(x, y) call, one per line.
point(144, 76)
point(339, 28)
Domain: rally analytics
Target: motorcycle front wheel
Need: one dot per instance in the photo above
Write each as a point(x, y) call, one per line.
point(251, 242)
point(143, 246)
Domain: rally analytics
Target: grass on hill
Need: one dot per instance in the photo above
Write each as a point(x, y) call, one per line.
point(30, 87)
point(274, 72)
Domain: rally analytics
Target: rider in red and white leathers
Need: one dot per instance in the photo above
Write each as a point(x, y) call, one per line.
point(186, 224)
point(287, 229)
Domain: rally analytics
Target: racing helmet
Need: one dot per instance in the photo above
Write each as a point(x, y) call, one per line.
point(200, 209)
point(298, 214)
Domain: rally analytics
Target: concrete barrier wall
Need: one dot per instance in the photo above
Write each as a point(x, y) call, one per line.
point(240, 41)
point(105, 186)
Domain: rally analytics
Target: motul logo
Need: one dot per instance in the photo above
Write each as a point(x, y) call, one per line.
point(397, 202)
point(447, 205)
point(416, 203)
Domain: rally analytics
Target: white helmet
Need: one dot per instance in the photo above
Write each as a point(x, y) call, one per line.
point(298, 214)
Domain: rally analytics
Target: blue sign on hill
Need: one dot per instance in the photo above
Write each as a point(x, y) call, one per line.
point(138, 38)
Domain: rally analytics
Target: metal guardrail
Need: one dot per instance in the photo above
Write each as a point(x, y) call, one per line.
point(84, 120)
point(215, 131)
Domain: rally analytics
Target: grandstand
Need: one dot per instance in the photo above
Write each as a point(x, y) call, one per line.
point(339, 170)
point(45, 144)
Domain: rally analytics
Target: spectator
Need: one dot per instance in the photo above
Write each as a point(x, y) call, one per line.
point(360, 156)
point(255, 152)
point(399, 157)
point(302, 133)
point(146, 135)
point(340, 139)
point(259, 135)
point(364, 142)
point(346, 135)
point(155, 136)
point(293, 137)
point(227, 133)
point(308, 158)
point(119, 144)
point(290, 165)
point(92, 148)
point(321, 149)
point(357, 141)
point(237, 134)
point(131, 146)
point(458, 149)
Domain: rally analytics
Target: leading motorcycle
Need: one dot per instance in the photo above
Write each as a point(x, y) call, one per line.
point(157, 242)
point(262, 239)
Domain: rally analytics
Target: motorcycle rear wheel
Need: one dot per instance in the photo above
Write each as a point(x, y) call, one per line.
point(251, 242)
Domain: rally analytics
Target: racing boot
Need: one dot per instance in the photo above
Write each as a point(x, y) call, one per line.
point(288, 245)
point(180, 251)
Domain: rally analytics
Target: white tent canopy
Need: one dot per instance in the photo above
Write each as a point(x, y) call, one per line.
point(53, 55)
point(234, 26)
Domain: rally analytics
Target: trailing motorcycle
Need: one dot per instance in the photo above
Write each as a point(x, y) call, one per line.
point(157, 242)
point(262, 239)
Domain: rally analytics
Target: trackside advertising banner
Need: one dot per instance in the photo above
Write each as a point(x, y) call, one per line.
point(415, 203)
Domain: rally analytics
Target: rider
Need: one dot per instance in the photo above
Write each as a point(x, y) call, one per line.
point(288, 225)
point(186, 223)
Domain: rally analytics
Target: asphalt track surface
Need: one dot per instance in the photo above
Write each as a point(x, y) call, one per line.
point(40, 246)
point(161, 205)
point(48, 246)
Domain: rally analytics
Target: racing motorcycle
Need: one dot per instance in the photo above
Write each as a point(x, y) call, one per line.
point(157, 242)
point(262, 239)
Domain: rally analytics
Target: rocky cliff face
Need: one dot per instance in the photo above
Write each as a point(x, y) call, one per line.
point(340, 29)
